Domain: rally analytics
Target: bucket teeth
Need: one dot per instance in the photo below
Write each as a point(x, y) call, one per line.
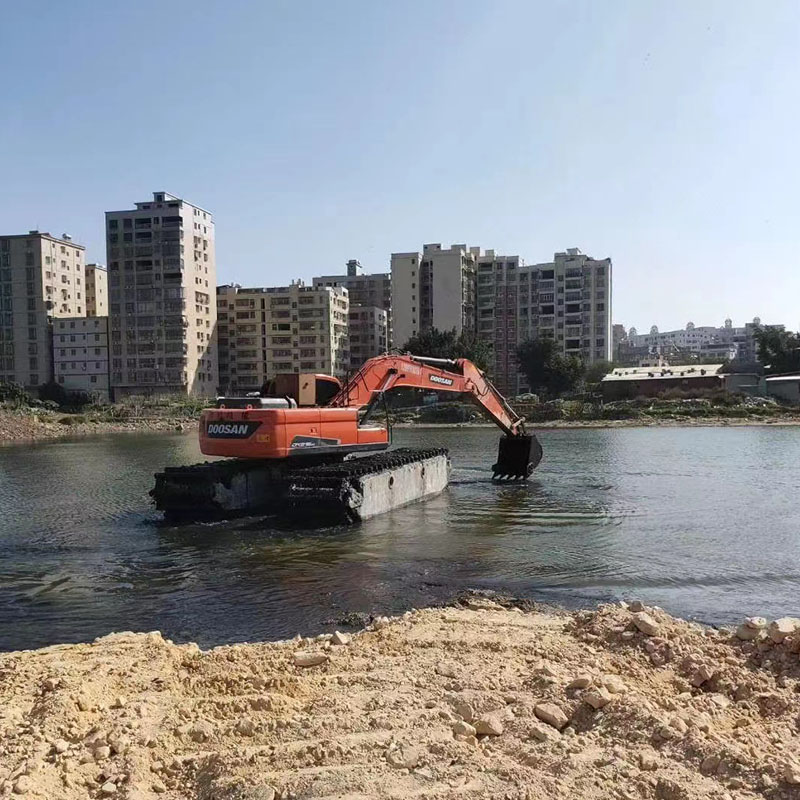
point(517, 457)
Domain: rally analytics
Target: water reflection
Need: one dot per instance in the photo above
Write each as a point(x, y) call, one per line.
point(701, 521)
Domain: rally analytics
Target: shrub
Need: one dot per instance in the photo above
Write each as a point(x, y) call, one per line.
point(14, 394)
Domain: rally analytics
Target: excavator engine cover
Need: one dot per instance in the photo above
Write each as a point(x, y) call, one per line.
point(517, 458)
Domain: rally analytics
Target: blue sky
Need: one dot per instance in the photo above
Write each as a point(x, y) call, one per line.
point(662, 134)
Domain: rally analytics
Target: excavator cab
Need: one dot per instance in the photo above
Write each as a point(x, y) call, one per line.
point(517, 458)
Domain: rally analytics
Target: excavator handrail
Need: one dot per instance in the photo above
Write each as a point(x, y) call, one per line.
point(383, 373)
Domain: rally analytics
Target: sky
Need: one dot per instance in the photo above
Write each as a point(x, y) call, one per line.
point(661, 134)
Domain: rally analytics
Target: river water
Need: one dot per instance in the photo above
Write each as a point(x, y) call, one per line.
point(702, 521)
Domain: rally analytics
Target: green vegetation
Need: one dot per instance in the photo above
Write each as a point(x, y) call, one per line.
point(76, 408)
point(446, 344)
point(779, 351)
point(548, 372)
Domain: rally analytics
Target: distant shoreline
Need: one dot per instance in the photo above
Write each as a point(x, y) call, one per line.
point(20, 427)
point(686, 422)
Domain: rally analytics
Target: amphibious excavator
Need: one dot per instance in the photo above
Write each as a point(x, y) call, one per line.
point(298, 441)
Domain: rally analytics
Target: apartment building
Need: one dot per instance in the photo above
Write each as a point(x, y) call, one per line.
point(369, 334)
point(434, 288)
point(41, 279)
point(80, 355)
point(364, 289)
point(266, 331)
point(569, 300)
point(162, 298)
point(498, 314)
point(96, 290)
point(370, 316)
point(725, 342)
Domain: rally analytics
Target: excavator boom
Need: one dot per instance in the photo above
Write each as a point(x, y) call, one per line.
point(519, 453)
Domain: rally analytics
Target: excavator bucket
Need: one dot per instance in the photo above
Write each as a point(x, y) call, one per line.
point(517, 458)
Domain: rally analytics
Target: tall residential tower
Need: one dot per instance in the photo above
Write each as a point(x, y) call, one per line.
point(162, 298)
point(41, 278)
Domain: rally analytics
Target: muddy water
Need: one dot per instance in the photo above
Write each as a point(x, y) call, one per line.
point(703, 521)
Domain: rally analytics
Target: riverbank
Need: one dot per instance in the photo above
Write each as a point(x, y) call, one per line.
point(643, 422)
point(473, 700)
point(28, 425)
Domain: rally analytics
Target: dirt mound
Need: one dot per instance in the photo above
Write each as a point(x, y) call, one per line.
point(470, 701)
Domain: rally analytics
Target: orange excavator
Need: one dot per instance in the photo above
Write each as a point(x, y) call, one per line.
point(311, 423)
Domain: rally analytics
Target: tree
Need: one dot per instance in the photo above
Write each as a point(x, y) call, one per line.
point(597, 371)
point(446, 344)
point(548, 372)
point(778, 350)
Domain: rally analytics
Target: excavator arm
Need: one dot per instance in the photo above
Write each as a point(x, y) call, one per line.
point(519, 452)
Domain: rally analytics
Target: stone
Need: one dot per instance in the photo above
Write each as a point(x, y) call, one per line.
point(340, 638)
point(756, 623)
point(488, 725)
point(679, 724)
point(613, 683)
point(636, 605)
point(702, 674)
point(102, 753)
point(648, 761)
point(403, 757)
point(447, 670)
point(309, 658)
point(201, 731)
point(746, 633)
point(465, 711)
point(245, 726)
point(598, 698)
point(158, 787)
point(781, 628)
point(84, 704)
point(543, 733)
point(791, 772)
point(667, 732)
point(710, 764)
point(108, 788)
point(462, 728)
point(119, 702)
point(581, 682)
point(23, 784)
point(61, 746)
point(645, 623)
point(551, 714)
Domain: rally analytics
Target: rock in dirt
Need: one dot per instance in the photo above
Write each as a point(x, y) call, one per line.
point(340, 638)
point(598, 698)
point(462, 728)
point(465, 711)
point(791, 772)
point(543, 733)
point(488, 725)
point(108, 788)
point(781, 628)
point(645, 623)
point(309, 658)
point(551, 714)
point(756, 623)
point(747, 633)
point(581, 682)
point(614, 684)
point(403, 757)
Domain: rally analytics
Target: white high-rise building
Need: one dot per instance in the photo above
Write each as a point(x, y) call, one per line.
point(434, 288)
point(162, 298)
point(41, 279)
point(264, 332)
point(96, 290)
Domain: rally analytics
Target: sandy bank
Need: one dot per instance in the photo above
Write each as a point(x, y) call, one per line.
point(27, 426)
point(462, 702)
